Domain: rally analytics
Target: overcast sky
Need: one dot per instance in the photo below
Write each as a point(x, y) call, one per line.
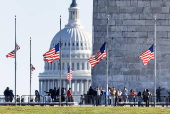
point(38, 19)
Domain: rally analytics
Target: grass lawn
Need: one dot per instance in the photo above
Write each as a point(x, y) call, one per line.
point(82, 110)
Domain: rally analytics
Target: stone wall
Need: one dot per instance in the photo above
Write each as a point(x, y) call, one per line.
point(131, 32)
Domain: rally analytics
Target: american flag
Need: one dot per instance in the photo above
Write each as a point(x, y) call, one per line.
point(69, 74)
point(12, 53)
point(98, 56)
point(32, 69)
point(147, 55)
point(52, 54)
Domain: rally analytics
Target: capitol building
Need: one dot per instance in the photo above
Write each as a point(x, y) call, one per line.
point(76, 38)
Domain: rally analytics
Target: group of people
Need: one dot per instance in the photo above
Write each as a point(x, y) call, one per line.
point(54, 95)
point(95, 95)
point(114, 96)
point(8, 95)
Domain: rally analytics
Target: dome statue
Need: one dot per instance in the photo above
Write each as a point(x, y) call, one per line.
point(75, 51)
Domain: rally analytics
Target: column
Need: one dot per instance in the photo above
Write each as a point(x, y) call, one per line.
point(44, 86)
point(80, 65)
point(67, 82)
point(72, 87)
point(40, 87)
point(53, 83)
point(64, 83)
point(83, 88)
point(75, 87)
point(80, 87)
point(85, 65)
point(48, 83)
point(87, 86)
point(58, 82)
point(52, 86)
point(75, 66)
point(89, 83)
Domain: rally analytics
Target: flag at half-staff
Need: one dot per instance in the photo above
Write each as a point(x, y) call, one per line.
point(12, 53)
point(69, 74)
point(147, 55)
point(32, 69)
point(98, 56)
point(52, 54)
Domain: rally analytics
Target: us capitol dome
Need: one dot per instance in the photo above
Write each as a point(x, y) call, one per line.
point(76, 38)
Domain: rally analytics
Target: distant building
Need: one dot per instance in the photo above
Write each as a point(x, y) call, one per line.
point(81, 50)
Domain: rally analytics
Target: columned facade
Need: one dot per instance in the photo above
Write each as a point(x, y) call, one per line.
point(81, 86)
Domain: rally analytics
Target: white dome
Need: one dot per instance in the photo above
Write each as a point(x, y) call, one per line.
point(80, 39)
point(74, 56)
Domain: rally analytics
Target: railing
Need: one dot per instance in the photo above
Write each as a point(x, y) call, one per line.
point(27, 100)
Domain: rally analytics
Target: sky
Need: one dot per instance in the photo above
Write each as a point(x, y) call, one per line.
point(40, 20)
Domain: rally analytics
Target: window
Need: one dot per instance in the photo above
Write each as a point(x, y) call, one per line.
point(81, 44)
point(72, 55)
point(51, 68)
point(78, 68)
point(68, 44)
point(68, 65)
point(58, 66)
point(73, 44)
point(54, 66)
point(47, 66)
point(87, 66)
point(73, 66)
point(77, 44)
point(69, 14)
point(65, 44)
point(82, 66)
point(63, 66)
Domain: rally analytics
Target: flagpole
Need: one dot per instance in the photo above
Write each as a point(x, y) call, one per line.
point(15, 62)
point(155, 65)
point(107, 59)
point(70, 65)
point(30, 68)
point(60, 61)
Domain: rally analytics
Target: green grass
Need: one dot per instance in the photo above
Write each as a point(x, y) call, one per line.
point(82, 110)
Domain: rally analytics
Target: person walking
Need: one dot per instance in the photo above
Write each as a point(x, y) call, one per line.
point(148, 97)
point(37, 96)
point(7, 94)
point(90, 95)
point(11, 96)
point(54, 91)
point(95, 96)
point(124, 95)
point(69, 95)
point(158, 94)
point(144, 95)
point(98, 96)
point(108, 95)
point(113, 93)
point(133, 95)
point(119, 94)
point(48, 98)
point(139, 99)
